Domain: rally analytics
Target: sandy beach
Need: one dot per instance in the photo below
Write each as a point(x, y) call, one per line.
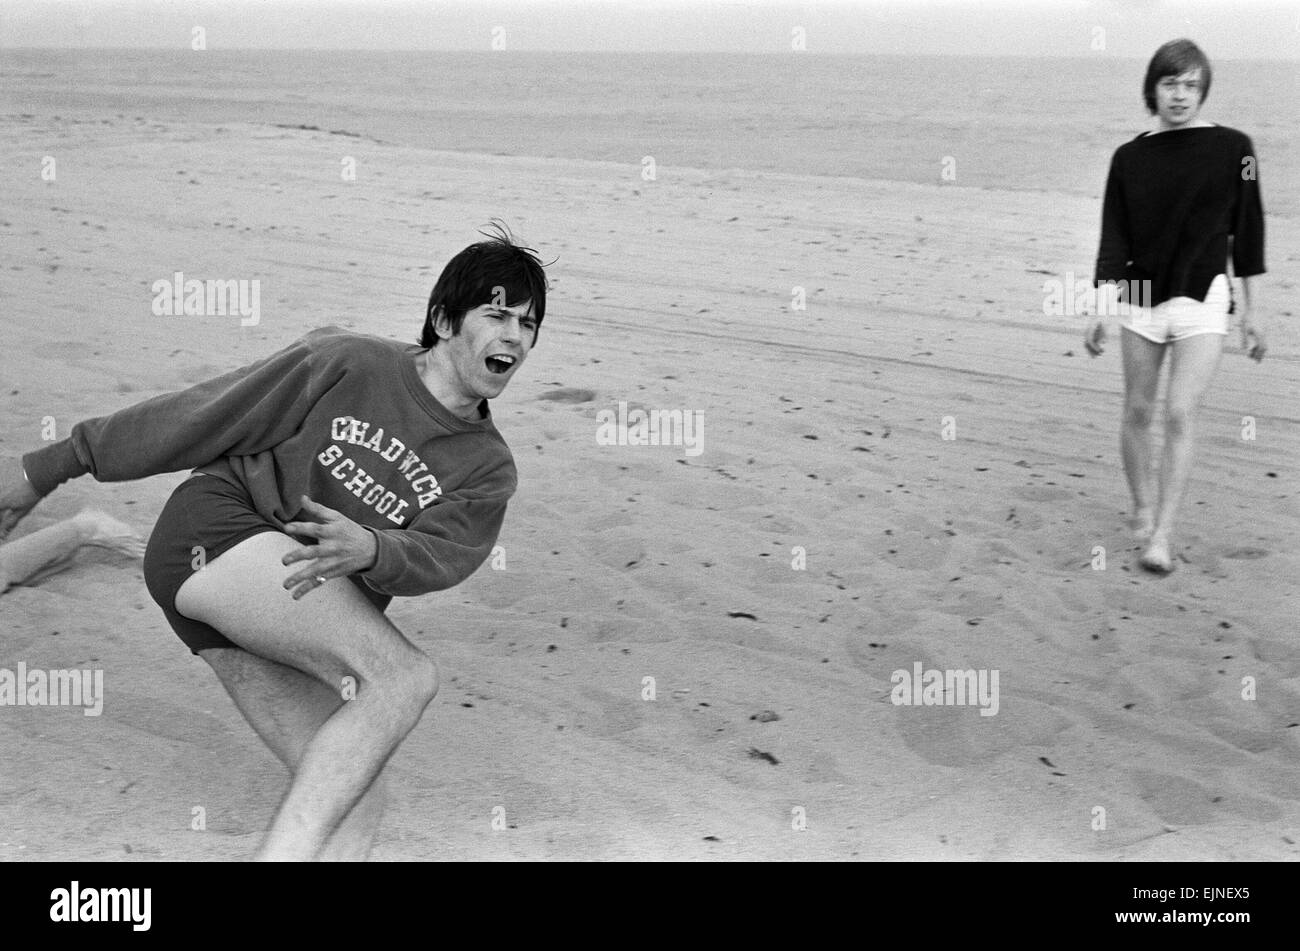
point(827, 535)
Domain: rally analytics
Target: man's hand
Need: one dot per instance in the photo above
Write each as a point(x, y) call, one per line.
point(1095, 337)
point(343, 548)
point(1252, 339)
point(17, 497)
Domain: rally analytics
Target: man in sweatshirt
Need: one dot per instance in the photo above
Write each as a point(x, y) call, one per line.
point(329, 477)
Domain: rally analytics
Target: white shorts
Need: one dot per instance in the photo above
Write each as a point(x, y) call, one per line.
point(1181, 317)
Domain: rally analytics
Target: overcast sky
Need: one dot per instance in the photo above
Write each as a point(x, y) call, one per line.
point(1226, 29)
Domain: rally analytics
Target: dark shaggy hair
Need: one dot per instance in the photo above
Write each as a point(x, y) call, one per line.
point(480, 274)
point(1173, 59)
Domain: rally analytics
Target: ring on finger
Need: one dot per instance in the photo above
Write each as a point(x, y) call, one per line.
point(320, 579)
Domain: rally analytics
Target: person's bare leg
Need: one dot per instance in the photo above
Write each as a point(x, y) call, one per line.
point(44, 551)
point(1191, 368)
point(331, 634)
point(286, 707)
point(1142, 359)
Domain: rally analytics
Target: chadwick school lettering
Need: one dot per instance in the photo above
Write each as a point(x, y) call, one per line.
point(350, 431)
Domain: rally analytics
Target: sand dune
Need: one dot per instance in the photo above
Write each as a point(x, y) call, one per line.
point(823, 435)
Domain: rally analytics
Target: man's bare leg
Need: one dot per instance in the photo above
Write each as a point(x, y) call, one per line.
point(331, 634)
point(44, 551)
point(1191, 368)
point(1142, 360)
point(286, 708)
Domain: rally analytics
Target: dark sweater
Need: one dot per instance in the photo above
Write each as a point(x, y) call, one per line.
point(341, 417)
point(1173, 199)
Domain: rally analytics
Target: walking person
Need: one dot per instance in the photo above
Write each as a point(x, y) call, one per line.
point(1182, 201)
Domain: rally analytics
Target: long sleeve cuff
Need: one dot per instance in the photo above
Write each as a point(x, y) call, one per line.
point(389, 564)
point(50, 467)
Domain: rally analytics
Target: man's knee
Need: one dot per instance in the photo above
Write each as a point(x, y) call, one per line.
point(410, 684)
point(1138, 413)
point(1178, 420)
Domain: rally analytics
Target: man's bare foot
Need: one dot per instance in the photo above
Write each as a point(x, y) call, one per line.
point(105, 531)
point(1157, 557)
point(1143, 523)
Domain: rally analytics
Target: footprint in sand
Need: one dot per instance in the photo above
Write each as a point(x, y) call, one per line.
point(618, 548)
point(616, 714)
point(1179, 801)
point(959, 736)
point(1246, 554)
point(879, 656)
point(568, 394)
point(161, 718)
point(1043, 493)
point(1281, 654)
point(1174, 800)
point(1250, 739)
point(951, 735)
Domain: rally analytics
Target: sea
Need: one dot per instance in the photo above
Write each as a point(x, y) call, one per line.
point(1019, 123)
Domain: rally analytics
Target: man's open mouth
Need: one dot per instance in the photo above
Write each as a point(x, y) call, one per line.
point(500, 363)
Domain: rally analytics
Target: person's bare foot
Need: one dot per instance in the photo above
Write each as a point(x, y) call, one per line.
point(1143, 523)
point(105, 531)
point(1157, 557)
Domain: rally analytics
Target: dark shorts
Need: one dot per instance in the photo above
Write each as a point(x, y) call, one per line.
point(204, 518)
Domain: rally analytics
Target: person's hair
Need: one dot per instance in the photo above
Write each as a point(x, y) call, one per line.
point(1173, 59)
point(484, 273)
